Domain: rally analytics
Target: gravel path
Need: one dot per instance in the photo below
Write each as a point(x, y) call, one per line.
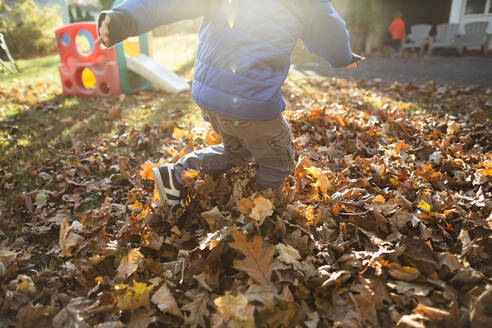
point(446, 70)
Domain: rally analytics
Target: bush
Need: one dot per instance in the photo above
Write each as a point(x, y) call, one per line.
point(28, 29)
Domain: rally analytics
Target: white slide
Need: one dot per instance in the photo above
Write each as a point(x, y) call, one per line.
point(160, 76)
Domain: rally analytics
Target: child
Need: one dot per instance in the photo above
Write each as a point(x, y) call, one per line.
point(242, 61)
point(397, 30)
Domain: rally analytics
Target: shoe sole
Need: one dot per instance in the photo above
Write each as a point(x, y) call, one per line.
point(160, 187)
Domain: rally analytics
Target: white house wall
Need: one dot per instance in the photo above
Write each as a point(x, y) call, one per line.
point(457, 15)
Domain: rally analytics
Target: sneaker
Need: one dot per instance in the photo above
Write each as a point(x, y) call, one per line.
point(167, 186)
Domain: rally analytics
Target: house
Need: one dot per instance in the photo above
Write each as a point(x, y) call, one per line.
point(468, 11)
point(368, 21)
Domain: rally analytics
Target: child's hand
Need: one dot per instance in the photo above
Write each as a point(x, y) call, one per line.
point(104, 32)
point(355, 60)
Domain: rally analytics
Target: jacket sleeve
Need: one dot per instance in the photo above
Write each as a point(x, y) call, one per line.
point(325, 33)
point(135, 17)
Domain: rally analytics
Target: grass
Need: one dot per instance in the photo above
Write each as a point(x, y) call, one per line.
point(33, 71)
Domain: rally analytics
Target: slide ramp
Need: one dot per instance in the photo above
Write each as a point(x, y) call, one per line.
point(160, 76)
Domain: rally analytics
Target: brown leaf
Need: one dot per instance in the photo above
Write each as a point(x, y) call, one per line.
point(30, 316)
point(258, 262)
point(140, 319)
point(115, 113)
point(25, 285)
point(165, 301)
point(403, 272)
point(197, 309)
point(129, 264)
point(235, 311)
point(262, 209)
point(288, 254)
point(69, 238)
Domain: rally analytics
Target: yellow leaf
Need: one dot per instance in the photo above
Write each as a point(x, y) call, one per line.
point(146, 172)
point(379, 199)
point(341, 121)
point(137, 206)
point(210, 137)
point(178, 133)
point(147, 167)
point(156, 194)
point(310, 215)
point(486, 172)
point(322, 182)
point(424, 206)
point(400, 145)
point(134, 297)
point(189, 175)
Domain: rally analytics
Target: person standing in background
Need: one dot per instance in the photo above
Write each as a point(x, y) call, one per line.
point(397, 30)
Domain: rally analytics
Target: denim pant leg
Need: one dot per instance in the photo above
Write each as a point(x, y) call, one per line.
point(270, 143)
point(215, 159)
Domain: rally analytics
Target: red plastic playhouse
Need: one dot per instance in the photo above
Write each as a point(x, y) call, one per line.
point(91, 71)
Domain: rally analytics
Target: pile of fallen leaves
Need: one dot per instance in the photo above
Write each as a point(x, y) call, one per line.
point(386, 221)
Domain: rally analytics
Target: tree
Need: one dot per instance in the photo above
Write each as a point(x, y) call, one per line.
point(106, 4)
point(28, 29)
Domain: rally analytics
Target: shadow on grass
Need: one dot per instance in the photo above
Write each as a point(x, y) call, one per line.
point(47, 132)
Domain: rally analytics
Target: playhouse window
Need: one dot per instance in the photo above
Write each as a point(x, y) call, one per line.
point(475, 7)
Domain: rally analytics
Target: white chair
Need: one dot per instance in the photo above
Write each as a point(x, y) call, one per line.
point(475, 35)
point(418, 37)
point(445, 37)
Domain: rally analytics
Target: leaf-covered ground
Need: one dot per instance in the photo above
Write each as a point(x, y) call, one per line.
point(384, 222)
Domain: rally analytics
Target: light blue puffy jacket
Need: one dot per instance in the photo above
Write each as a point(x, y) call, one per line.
point(244, 46)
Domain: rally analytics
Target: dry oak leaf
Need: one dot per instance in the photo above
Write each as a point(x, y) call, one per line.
point(235, 308)
point(288, 254)
point(198, 310)
point(263, 208)
point(258, 209)
point(69, 238)
point(258, 262)
point(166, 302)
point(129, 264)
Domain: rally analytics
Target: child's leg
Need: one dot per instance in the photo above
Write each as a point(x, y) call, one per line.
point(215, 159)
point(269, 142)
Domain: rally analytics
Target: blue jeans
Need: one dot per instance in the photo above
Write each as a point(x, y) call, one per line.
point(269, 143)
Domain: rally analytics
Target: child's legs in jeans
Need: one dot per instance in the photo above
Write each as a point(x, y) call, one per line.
point(267, 142)
point(215, 159)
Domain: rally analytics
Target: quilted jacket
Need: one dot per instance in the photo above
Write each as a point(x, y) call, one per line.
point(244, 48)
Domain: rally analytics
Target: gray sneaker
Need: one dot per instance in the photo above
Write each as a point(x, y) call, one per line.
point(169, 189)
